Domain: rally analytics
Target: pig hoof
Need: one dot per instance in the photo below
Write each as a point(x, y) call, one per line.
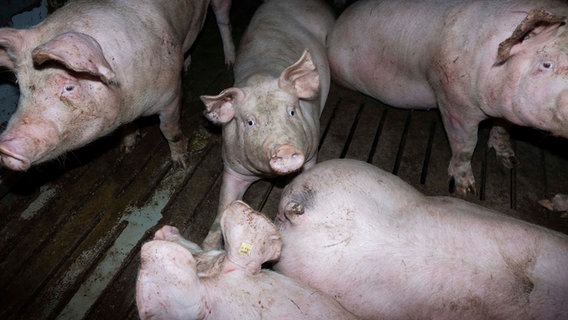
point(558, 203)
point(509, 161)
point(463, 191)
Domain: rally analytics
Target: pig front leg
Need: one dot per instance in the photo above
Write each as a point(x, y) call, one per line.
point(170, 127)
point(462, 135)
point(233, 188)
point(222, 8)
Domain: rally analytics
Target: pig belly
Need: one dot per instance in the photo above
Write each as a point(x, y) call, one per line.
point(385, 56)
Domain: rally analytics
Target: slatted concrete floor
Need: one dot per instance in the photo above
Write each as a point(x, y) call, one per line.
point(71, 230)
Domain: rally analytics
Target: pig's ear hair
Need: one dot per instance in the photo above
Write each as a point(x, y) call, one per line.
point(78, 52)
point(220, 109)
point(536, 22)
point(250, 237)
point(10, 44)
point(302, 76)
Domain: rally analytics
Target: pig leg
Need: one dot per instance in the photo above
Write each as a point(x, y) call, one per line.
point(462, 135)
point(172, 234)
point(558, 203)
point(233, 188)
point(130, 136)
point(222, 8)
point(170, 127)
point(500, 141)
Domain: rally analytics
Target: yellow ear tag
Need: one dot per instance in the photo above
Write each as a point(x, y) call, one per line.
point(245, 248)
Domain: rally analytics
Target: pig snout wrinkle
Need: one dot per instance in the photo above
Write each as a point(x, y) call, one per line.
point(286, 159)
point(12, 160)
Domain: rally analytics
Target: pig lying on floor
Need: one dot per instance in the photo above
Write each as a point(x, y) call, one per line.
point(93, 66)
point(174, 284)
point(384, 250)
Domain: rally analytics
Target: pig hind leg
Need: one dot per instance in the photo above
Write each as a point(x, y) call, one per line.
point(500, 141)
point(222, 8)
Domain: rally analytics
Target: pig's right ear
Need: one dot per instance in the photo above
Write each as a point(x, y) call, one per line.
point(537, 22)
point(220, 109)
point(78, 52)
point(10, 44)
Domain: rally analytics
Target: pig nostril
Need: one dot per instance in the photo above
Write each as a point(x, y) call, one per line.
point(13, 161)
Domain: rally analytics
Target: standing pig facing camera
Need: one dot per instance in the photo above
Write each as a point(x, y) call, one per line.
point(384, 250)
point(471, 59)
point(270, 117)
point(176, 281)
point(92, 66)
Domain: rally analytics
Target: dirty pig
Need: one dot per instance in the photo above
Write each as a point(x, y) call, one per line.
point(384, 250)
point(93, 66)
point(270, 118)
point(471, 59)
point(178, 281)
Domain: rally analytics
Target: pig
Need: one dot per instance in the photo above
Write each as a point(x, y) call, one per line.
point(91, 67)
point(174, 283)
point(270, 117)
point(473, 60)
point(384, 250)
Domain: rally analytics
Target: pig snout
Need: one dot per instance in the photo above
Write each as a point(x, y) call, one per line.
point(286, 159)
point(12, 156)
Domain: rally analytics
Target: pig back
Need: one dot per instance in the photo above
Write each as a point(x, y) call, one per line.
point(278, 34)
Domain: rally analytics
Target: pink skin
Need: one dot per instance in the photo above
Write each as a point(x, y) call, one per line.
point(445, 54)
point(384, 250)
point(231, 283)
point(270, 117)
point(81, 80)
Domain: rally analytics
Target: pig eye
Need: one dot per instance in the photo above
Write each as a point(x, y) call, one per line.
point(546, 65)
point(69, 88)
point(292, 113)
point(251, 122)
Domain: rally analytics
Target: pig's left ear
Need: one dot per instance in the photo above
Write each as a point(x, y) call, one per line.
point(78, 52)
point(536, 23)
point(302, 76)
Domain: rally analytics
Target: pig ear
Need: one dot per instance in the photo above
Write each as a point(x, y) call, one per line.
point(302, 76)
point(10, 44)
point(221, 108)
point(535, 23)
point(78, 52)
point(250, 238)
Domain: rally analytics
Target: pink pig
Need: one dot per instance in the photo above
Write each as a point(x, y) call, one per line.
point(384, 250)
point(92, 66)
point(177, 281)
point(471, 59)
point(270, 117)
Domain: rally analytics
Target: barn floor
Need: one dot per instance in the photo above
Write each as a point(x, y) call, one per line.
point(71, 230)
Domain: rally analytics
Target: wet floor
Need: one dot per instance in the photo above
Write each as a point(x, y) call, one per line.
point(71, 229)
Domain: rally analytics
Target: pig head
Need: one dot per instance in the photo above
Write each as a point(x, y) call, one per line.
point(386, 251)
point(270, 118)
point(177, 282)
point(473, 60)
point(90, 68)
